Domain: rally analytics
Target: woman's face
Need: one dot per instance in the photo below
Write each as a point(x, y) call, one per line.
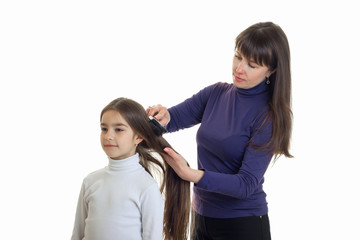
point(246, 73)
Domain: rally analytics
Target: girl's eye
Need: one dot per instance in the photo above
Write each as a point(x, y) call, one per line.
point(118, 130)
point(103, 129)
point(238, 57)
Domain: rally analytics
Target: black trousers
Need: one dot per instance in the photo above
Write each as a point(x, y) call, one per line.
point(242, 228)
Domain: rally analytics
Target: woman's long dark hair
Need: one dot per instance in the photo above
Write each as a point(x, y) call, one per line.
point(267, 45)
point(176, 190)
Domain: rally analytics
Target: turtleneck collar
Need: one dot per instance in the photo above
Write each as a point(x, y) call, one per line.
point(257, 90)
point(126, 164)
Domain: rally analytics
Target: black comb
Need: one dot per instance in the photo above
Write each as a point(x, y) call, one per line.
point(156, 126)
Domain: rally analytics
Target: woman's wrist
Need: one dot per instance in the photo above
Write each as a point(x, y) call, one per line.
point(195, 175)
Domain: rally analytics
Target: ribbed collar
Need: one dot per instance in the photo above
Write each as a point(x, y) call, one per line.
point(124, 165)
point(257, 90)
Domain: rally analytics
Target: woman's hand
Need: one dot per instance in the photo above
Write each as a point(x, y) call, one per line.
point(180, 166)
point(160, 113)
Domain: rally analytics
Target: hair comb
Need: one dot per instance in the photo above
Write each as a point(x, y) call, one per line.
point(156, 126)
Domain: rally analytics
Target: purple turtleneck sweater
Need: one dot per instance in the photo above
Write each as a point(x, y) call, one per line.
point(230, 119)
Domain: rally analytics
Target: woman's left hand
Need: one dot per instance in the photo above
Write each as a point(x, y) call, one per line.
point(180, 166)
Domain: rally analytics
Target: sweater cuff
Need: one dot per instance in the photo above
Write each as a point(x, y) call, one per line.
point(168, 126)
point(203, 181)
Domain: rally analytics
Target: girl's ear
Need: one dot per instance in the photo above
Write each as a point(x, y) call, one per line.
point(138, 139)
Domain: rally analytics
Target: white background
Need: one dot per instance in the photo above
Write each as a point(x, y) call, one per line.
point(61, 62)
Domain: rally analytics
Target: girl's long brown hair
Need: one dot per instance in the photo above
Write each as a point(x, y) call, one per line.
point(267, 45)
point(176, 190)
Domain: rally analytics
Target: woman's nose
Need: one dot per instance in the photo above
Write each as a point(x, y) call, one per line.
point(240, 67)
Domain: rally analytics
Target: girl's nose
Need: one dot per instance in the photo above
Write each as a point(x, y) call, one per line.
point(109, 136)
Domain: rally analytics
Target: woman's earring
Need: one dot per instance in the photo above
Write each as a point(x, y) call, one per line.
point(267, 80)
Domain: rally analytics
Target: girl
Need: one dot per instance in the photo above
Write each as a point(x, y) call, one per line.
point(122, 200)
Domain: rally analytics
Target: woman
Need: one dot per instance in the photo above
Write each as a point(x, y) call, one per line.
point(243, 126)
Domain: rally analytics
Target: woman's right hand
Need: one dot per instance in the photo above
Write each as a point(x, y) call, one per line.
point(181, 167)
point(160, 113)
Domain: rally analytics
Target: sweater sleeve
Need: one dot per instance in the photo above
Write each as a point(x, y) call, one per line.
point(80, 216)
point(189, 112)
point(152, 210)
point(251, 173)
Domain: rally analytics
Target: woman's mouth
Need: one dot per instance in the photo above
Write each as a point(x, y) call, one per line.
point(238, 79)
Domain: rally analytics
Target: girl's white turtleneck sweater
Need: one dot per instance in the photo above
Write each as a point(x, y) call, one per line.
point(120, 201)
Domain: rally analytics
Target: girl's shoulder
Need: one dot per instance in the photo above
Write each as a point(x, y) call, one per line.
point(145, 181)
point(95, 175)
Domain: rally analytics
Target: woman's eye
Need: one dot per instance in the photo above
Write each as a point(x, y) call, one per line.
point(118, 130)
point(252, 66)
point(103, 129)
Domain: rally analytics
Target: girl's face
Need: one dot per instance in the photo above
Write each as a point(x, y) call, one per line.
point(117, 138)
point(246, 73)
